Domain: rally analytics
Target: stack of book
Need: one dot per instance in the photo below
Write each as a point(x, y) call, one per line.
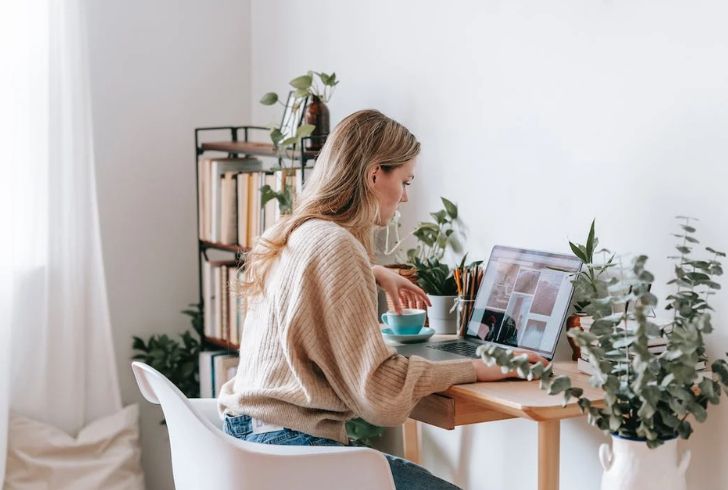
point(231, 210)
point(232, 213)
point(222, 304)
point(216, 369)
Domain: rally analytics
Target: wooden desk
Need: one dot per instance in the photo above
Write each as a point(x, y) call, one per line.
point(486, 402)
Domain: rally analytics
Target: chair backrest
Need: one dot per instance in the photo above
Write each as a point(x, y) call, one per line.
point(203, 456)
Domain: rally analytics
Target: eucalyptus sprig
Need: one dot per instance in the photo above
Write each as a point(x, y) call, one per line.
point(647, 396)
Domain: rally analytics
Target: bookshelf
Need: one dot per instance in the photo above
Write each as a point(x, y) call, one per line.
point(237, 142)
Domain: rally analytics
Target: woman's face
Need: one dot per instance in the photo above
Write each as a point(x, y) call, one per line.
point(390, 188)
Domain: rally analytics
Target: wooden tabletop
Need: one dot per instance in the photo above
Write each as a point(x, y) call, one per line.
point(525, 399)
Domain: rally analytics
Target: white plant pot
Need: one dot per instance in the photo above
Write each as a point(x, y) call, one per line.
point(441, 319)
point(631, 465)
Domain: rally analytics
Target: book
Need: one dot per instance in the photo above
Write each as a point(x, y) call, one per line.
point(203, 171)
point(217, 169)
point(207, 300)
point(233, 304)
point(223, 370)
point(216, 368)
point(205, 371)
point(243, 191)
point(254, 208)
point(229, 210)
point(239, 314)
point(271, 207)
point(212, 295)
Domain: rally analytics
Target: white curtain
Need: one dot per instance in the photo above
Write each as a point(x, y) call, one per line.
point(57, 362)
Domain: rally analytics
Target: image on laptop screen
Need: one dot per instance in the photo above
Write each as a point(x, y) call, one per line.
point(523, 299)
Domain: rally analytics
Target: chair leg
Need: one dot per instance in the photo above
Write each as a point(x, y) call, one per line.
point(411, 436)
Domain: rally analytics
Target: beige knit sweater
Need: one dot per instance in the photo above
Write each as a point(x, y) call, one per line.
point(312, 355)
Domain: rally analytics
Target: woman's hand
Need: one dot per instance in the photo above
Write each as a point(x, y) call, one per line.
point(493, 373)
point(400, 291)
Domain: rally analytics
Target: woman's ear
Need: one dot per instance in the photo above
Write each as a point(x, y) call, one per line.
point(374, 174)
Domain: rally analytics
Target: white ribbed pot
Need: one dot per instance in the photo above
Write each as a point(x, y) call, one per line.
point(631, 465)
point(441, 319)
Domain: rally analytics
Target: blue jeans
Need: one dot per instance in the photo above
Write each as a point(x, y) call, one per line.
point(407, 475)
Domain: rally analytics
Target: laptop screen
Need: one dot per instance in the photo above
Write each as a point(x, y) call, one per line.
point(523, 299)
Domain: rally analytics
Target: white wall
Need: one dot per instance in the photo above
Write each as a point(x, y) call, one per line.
point(158, 70)
point(535, 117)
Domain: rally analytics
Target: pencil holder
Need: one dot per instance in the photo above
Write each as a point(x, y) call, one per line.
point(464, 309)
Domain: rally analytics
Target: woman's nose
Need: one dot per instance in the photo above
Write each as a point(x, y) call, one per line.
point(404, 196)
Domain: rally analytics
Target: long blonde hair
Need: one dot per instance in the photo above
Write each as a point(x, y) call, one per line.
point(338, 189)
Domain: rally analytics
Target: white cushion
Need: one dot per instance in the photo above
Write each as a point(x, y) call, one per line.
point(104, 455)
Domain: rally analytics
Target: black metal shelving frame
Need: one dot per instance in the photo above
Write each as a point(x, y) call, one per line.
point(234, 147)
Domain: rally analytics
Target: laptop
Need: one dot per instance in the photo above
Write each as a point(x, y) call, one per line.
point(522, 302)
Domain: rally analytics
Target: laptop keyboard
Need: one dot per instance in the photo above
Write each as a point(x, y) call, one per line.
point(466, 349)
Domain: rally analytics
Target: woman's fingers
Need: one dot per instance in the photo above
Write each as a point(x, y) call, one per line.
point(396, 303)
point(419, 294)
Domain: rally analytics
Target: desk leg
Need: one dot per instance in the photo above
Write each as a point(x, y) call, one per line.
point(411, 440)
point(549, 433)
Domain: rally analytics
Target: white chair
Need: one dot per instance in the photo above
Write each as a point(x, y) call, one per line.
point(203, 456)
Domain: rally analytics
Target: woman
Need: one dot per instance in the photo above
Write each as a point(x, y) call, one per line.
point(312, 356)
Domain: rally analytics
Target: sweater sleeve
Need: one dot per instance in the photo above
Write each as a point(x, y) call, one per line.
point(344, 341)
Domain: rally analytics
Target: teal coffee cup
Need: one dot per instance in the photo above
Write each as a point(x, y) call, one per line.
point(410, 322)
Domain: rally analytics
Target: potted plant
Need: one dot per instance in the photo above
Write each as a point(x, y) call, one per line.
point(590, 283)
point(316, 88)
point(649, 397)
point(311, 97)
point(433, 276)
point(437, 280)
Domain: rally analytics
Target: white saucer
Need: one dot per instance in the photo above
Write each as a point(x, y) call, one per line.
point(424, 334)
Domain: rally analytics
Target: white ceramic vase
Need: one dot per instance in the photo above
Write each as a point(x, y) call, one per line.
point(442, 320)
point(631, 465)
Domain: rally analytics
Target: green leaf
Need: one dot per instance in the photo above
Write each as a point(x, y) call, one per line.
point(624, 341)
point(719, 254)
point(299, 93)
point(440, 216)
point(138, 344)
point(720, 367)
point(304, 130)
point(450, 208)
point(559, 384)
point(590, 243)
point(269, 99)
point(276, 136)
point(302, 83)
point(575, 249)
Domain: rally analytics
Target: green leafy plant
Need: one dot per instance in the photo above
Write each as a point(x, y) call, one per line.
point(435, 278)
point(591, 282)
point(433, 237)
point(284, 197)
point(316, 84)
point(361, 431)
point(178, 360)
point(648, 396)
point(312, 83)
